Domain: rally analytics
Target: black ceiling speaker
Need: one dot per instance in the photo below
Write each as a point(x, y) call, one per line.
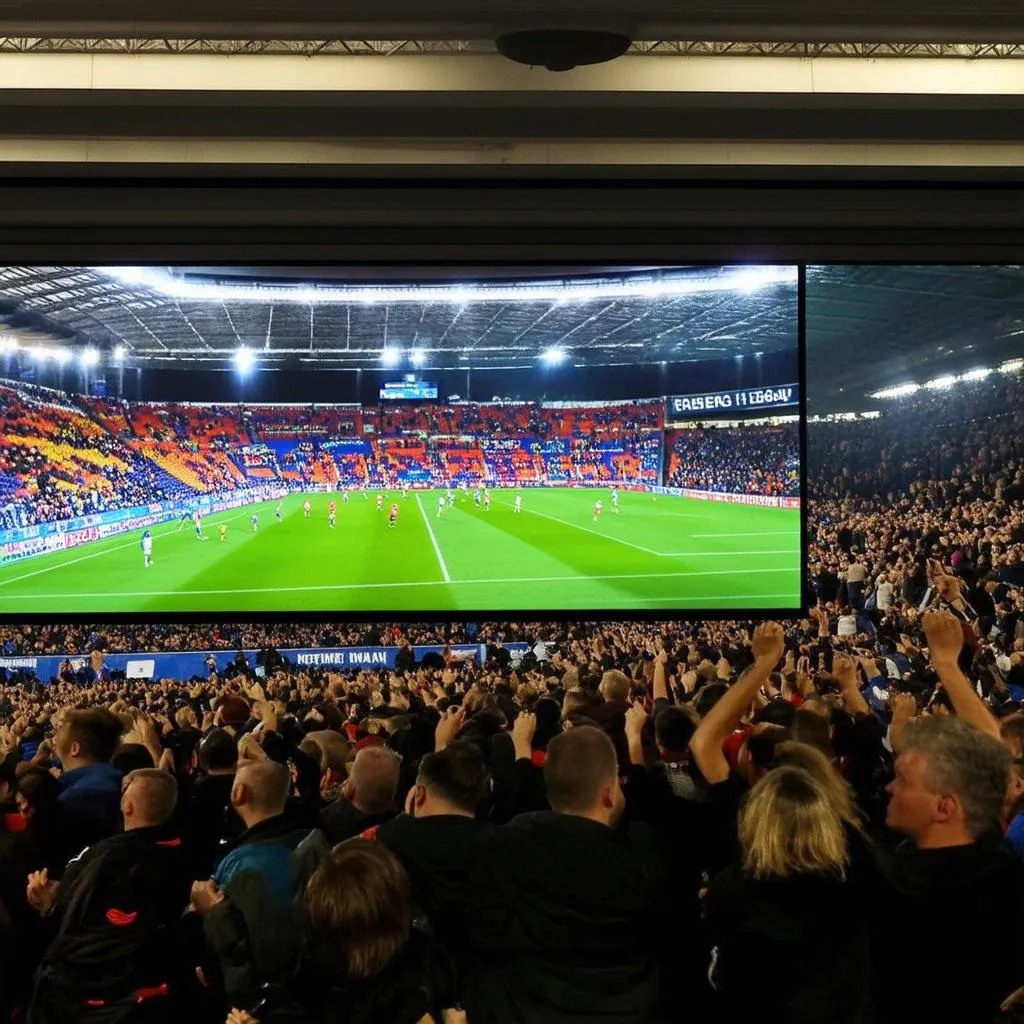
point(562, 49)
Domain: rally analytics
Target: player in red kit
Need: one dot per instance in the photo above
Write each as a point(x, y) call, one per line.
point(597, 512)
point(392, 516)
point(332, 513)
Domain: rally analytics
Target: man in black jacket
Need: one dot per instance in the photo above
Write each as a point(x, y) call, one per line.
point(368, 796)
point(443, 847)
point(579, 938)
point(952, 897)
point(114, 917)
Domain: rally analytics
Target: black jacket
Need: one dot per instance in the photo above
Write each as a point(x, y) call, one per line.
point(115, 931)
point(804, 939)
point(952, 919)
point(341, 820)
point(578, 940)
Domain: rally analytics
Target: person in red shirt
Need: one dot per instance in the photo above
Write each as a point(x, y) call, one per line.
point(393, 516)
point(332, 513)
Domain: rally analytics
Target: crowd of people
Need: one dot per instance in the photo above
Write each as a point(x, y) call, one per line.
point(819, 820)
point(736, 460)
point(66, 456)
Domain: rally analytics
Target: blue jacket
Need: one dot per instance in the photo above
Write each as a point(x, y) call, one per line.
point(89, 803)
point(266, 850)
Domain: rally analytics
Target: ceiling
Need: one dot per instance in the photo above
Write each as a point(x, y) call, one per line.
point(161, 326)
point(869, 328)
point(945, 21)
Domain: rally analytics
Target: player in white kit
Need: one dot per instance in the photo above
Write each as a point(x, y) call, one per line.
point(615, 500)
point(307, 508)
point(147, 549)
point(519, 504)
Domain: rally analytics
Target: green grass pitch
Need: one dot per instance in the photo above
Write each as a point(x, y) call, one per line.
point(663, 554)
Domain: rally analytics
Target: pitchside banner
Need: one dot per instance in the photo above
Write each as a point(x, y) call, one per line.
point(734, 401)
point(182, 665)
point(764, 500)
point(37, 540)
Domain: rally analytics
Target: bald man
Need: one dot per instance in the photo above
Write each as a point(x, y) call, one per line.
point(368, 796)
point(124, 895)
point(248, 907)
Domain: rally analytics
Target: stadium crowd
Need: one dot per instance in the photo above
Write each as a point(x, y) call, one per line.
point(820, 820)
point(736, 460)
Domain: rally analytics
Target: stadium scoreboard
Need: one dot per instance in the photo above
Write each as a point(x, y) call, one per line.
point(754, 399)
point(409, 390)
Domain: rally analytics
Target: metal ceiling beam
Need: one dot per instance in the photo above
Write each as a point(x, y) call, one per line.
point(427, 47)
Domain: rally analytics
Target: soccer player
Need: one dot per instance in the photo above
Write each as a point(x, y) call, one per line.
point(344, 495)
point(277, 511)
point(306, 508)
point(487, 501)
point(186, 517)
point(223, 532)
point(147, 549)
point(255, 522)
point(597, 512)
point(393, 516)
point(198, 520)
point(451, 498)
point(405, 491)
point(380, 502)
point(476, 497)
point(519, 504)
point(332, 513)
point(440, 505)
point(615, 500)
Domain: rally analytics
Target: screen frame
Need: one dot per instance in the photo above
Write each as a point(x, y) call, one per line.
point(107, 214)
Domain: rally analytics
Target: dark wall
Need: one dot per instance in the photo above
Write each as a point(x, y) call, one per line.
point(562, 383)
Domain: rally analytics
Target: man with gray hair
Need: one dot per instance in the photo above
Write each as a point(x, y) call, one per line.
point(951, 897)
point(368, 795)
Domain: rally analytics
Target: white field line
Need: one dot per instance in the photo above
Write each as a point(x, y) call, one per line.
point(105, 551)
point(756, 533)
point(670, 554)
point(585, 529)
point(416, 583)
point(433, 540)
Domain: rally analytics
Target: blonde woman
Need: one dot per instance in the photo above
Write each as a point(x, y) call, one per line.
point(788, 932)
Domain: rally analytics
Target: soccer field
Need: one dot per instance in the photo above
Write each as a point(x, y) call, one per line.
point(656, 554)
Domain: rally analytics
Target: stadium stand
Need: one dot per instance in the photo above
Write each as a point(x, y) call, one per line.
point(72, 454)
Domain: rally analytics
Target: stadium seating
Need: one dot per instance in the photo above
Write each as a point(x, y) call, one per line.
point(66, 454)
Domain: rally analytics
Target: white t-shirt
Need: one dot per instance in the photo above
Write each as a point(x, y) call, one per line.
point(884, 595)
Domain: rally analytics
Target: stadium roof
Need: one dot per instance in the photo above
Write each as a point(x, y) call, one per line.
point(873, 327)
point(306, 317)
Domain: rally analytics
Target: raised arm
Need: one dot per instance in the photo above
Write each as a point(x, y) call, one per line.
point(727, 714)
point(945, 641)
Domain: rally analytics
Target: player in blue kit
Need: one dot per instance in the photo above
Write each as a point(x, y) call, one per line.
point(277, 512)
point(255, 522)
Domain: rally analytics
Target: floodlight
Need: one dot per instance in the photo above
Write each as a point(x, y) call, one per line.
point(418, 357)
point(390, 356)
point(554, 356)
point(61, 355)
point(119, 353)
point(979, 374)
point(245, 359)
point(90, 357)
point(899, 391)
point(1012, 366)
point(941, 383)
